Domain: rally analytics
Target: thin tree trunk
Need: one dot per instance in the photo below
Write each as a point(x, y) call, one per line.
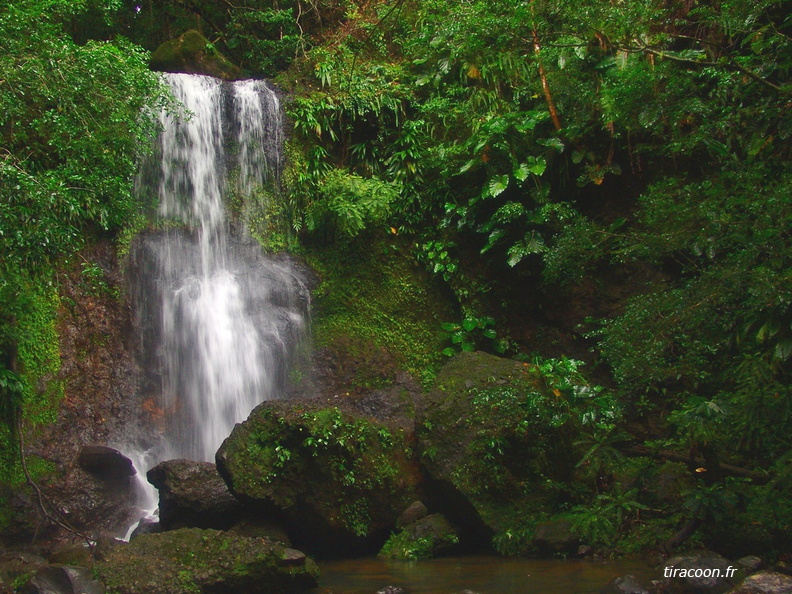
point(545, 86)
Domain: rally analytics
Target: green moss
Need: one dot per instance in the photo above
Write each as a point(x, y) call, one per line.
point(373, 298)
point(39, 356)
point(38, 363)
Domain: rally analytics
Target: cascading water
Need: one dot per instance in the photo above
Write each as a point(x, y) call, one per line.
point(217, 320)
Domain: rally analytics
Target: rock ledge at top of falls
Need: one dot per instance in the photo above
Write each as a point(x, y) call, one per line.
point(192, 53)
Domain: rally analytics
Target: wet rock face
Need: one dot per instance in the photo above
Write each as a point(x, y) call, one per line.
point(338, 479)
point(99, 377)
point(193, 495)
point(192, 53)
point(192, 560)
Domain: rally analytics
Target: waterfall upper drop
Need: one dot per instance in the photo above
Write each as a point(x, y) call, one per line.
point(218, 321)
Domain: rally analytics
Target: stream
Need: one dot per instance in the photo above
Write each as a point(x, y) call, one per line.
point(483, 574)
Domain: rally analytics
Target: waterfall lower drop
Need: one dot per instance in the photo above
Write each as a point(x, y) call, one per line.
point(218, 321)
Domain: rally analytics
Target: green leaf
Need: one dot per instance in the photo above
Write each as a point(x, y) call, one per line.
point(783, 350)
point(514, 258)
point(536, 165)
point(497, 185)
point(469, 323)
point(554, 143)
point(768, 330)
point(492, 240)
point(522, 172)
point(467, 166)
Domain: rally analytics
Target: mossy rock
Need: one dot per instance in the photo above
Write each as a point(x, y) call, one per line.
point(426, 538)
point(495, 450)
point(191, 560)
point(338, 478)
point(193, 53)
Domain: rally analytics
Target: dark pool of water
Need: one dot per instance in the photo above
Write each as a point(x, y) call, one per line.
point(482, 574)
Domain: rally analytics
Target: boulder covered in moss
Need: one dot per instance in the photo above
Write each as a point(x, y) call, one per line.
point(338, 472)
point(192, 560)
point(497, 443)
point(193, 53)
point(426, 538)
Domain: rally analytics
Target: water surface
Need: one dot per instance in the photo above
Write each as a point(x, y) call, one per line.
point(482, 574)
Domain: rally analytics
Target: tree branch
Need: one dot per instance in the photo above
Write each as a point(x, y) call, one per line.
point(696, 461)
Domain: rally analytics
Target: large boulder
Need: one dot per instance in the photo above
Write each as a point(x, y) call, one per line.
point(193, 495)
point(191, 560)
point(497, 443)
point(193, 53)
point(337, 472)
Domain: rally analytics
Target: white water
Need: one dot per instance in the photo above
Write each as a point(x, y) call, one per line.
point(217, 319)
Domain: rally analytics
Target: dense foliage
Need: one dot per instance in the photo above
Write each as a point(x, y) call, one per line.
point(576, 143)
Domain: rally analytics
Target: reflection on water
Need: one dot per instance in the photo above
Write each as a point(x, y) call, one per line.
point(482, 574)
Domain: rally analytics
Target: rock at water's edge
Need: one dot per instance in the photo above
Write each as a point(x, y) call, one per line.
point(765, 582)
point(193, 560)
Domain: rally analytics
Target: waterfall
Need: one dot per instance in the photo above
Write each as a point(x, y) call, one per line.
point(217, 320)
